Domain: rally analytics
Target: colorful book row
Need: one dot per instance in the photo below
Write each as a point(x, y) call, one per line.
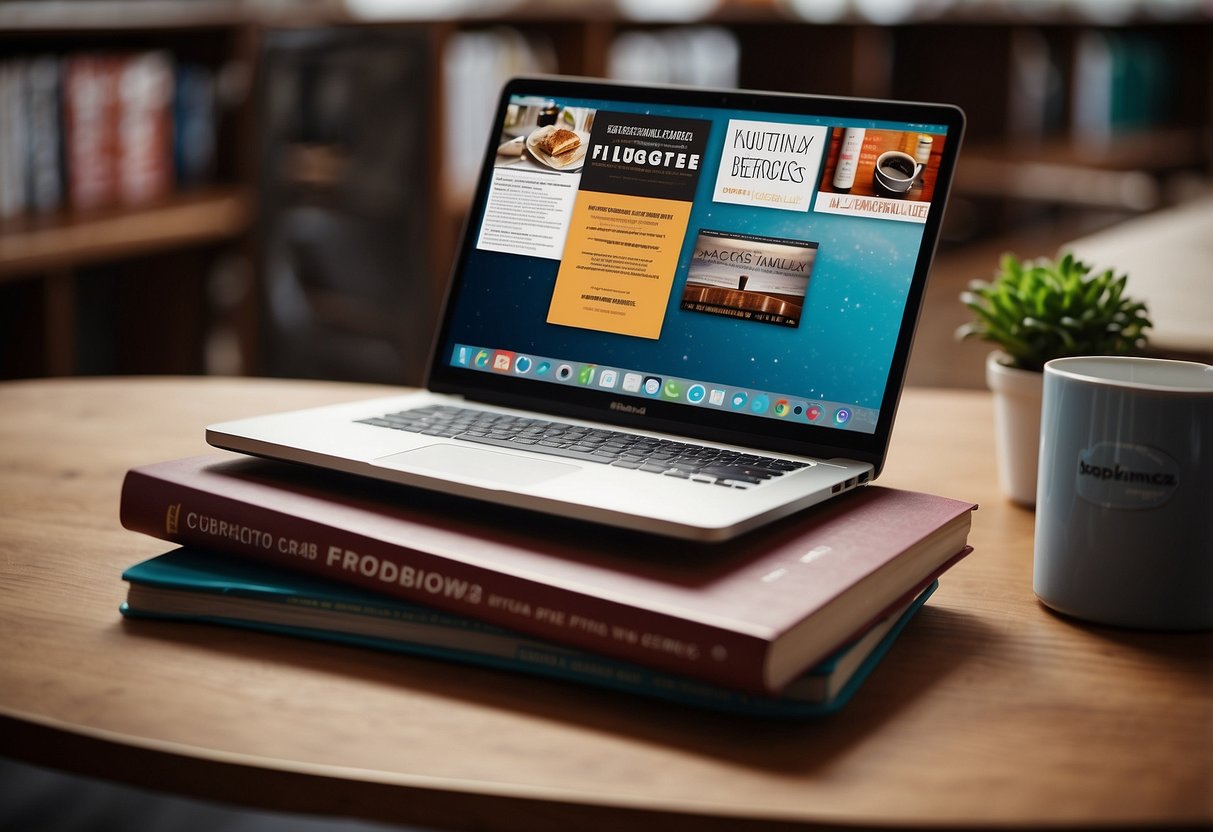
point(95, 130)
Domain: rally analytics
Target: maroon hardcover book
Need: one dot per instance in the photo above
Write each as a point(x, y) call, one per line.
point(749, 614)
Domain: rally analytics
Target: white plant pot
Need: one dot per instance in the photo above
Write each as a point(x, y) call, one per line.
point(1016, 426)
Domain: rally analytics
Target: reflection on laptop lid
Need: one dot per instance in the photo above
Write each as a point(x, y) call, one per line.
point(735, 267)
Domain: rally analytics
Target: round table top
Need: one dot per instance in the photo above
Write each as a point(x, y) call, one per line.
point(988, 711)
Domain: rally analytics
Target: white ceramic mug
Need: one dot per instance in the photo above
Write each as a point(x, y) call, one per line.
point(1124, 498)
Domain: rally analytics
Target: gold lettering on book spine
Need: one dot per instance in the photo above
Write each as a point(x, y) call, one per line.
point(172, 518)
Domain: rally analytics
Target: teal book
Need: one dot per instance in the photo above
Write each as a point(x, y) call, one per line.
point(195, 586)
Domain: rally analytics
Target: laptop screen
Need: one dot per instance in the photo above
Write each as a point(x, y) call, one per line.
point(722, 264)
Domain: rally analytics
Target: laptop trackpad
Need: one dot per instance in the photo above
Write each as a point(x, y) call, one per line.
point(477, 463)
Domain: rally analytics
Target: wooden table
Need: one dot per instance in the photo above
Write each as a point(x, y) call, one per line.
point(989, 711)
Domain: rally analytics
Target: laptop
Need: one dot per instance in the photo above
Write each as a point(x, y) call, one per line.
point(681, 311)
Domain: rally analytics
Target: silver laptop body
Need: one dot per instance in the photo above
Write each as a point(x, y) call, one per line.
point(686, 311)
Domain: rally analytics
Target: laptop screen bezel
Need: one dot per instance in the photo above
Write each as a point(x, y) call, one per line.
point(669, 417)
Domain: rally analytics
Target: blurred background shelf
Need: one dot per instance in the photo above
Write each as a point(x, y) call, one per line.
point(318, 240)
point(37, 243)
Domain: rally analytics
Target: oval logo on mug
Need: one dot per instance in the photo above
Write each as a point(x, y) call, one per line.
point(1116, 475)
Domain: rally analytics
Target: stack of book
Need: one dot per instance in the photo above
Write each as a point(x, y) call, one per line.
point(785, 621)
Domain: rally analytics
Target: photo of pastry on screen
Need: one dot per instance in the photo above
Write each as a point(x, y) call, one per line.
point(545, 136)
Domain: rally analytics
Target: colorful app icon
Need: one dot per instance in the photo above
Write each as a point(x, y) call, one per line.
point(481, 359)
point(523, 364)
point(608, 378)
point(739, 399)
point(544, 368)
point(782, 408)
point(652, 385)
point(841, 416)
point(716, 397)
point(760, 403)
point(586, 374)
point(813, 412)
point(671, 389)
point(631, 382)
point(503, 361)
point(462, 356)
point(695, 393)
point(564, 372)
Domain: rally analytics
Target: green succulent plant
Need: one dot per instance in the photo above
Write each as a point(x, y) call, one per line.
point(1043, 309)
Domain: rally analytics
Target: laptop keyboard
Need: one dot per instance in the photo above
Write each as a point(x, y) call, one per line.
point(698, 463)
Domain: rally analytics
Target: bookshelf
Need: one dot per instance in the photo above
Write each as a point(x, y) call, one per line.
point(1059, 138)
point(135, 197)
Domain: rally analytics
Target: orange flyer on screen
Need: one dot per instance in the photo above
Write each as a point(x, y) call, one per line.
point(628, 224)
point(619, 262)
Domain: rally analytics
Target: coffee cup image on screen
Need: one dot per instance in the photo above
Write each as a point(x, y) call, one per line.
point(895, 172)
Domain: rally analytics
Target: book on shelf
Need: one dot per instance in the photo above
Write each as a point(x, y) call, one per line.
point(14, 139)
point(194, 138)
point(750, 614)
point(90, 110)
point(1123, 82)
point(208, 587)
point(45, 193)
point(145, 128)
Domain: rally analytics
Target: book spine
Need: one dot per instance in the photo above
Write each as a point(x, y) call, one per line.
point(194, 125)
point(193, 516)
point(91, 114)
point(144, 153)
point(439, 635)
point(45, 151)
point(14, 139)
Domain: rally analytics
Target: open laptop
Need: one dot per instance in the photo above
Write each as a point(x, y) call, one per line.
point(681, 311)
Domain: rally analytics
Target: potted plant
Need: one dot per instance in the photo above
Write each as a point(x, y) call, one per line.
point(1035, 311)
